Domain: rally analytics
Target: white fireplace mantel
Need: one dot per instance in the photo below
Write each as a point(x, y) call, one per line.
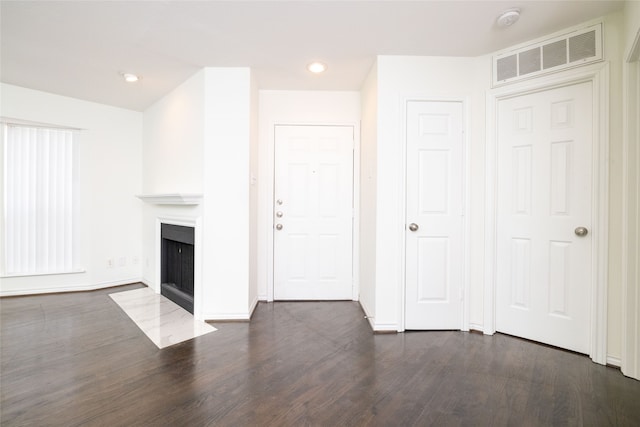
point(171, 199)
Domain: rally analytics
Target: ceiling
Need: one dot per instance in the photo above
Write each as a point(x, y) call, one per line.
point(78, 48)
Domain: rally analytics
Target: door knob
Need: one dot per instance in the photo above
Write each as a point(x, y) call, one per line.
point(581, 231)
point(278, 226)
point(413, 226)
point(279, 214)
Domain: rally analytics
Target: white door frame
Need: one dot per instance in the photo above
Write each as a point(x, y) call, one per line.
point(598, 75)
point(466, 182)
point(271, 145)
point(630, 360)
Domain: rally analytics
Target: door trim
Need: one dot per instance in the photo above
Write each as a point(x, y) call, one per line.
point(466, 183)
point(598, 75)
point(271, 152)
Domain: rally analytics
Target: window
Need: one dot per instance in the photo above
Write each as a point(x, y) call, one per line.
point(40, 200)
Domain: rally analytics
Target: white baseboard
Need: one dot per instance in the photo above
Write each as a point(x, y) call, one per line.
point(385, 327)
point(476, 327)
point(253, 306)
point(148, 283)
point(226, 316)
point(232, 316)
point(367, 315)
point(364, 308)
point(614, 361)
point(74, 288)
point(212, 317)
point(375, 326)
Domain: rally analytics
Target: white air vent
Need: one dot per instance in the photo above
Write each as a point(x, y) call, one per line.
point(575, 48)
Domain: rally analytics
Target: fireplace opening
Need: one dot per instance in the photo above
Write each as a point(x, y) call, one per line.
point(177, 264)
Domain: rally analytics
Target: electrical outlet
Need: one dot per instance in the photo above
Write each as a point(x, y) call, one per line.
point(110, 263)
point(122, 261)
point(135, 260)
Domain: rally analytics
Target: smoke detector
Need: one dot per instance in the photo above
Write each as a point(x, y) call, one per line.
point(508, 18)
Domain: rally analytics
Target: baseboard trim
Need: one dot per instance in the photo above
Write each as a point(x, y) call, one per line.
point(232, 317)
point(385, 328)
point(367, 315)
point(252, 307)
point(385, 331)
point(75, 288)
point(614, 361)
point(476, 327)
point(378, 328)
point(221, 317)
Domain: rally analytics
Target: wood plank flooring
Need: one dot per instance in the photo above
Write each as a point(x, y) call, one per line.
point(78, 360)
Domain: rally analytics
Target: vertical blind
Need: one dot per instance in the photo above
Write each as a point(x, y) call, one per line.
point(40, 200)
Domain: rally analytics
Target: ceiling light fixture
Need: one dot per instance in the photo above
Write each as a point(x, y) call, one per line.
point(508, 18)
point(130, 78)
point(317, 67)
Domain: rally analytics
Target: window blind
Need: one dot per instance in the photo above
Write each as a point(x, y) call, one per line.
point(40, 203)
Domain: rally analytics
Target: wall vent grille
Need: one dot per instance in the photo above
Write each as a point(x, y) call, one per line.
point(568, 50)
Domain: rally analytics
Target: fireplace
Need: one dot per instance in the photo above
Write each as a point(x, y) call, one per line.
point(177, 264)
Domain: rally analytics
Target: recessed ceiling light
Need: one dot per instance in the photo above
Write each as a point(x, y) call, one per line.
point(508, 18)
point(317, 67)
point(130, 78)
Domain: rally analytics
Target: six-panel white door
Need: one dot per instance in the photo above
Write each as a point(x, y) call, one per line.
point(434, 222)
point(544, 195)
point(313, 213)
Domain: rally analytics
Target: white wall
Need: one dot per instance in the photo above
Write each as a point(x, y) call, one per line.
point(368, 187)
point(469, 78)
point(110, 156)
point(290, 107)
point(173, 140)
point(172, 163)
point(434, 78)
point(201, 138)
point(227, 154)
point(631, 220)
point(613, 50)
point(198, 140)
point(253, 205)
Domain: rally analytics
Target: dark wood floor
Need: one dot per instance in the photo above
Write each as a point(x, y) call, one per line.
point(76, 359)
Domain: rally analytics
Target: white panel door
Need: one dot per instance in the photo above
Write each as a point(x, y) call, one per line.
point(434, 222)
point(313, 213)
point(544, 195)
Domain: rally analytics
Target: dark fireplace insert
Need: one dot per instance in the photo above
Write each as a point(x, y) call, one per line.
point(177, 273)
